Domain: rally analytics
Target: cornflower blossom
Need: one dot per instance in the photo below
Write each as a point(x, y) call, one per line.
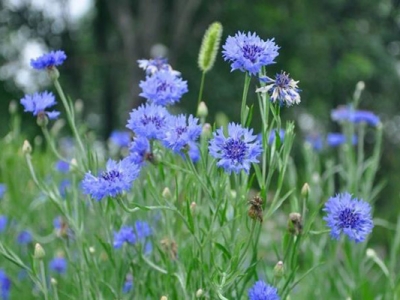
point(149, 120)
point(152, 66)
point(237, 151)
point(131, 235)
point(128, 284)
point(262, 291)
point(315, 141)
point(49, 60)
point(3, 223)
point(181, 131)
point(117, 178)
point(337, 139)
point(3, 189)
point(120, 138)
point(63, 187)
point(163, 88)
point(5, 285)
point(272, 135)
point(62, 166)
point(139, 150)
point(282, 89)
point(349, 216)
point(58, 265)
point(249, 52)
point(349, 114)
point(24, 237)
point(38, 103)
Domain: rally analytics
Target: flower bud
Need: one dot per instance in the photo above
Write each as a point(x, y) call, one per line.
point(92, 250)
point(166, 193)
point(53, 281)
point(193, 206)
point(39, 253)
point(199, 293)
point(42, 120)
point(164, 298)
point(26, 147)
point(209, 47)
point(12, 107)
point(295, 223)
point(53, 73)
point(278, 269)
point(206, 131)
point(305, 190)
point(202, 110)
point(370, 253)
point(79, 106)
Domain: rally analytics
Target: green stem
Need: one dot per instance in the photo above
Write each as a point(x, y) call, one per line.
point(203, 76)
point(50, 141)
point(244, 109)
point(43, 279)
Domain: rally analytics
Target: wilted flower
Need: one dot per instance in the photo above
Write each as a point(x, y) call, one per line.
point(337, 139)
point(120, 138)
point(117, 177)
point(263, 291)
point(149, 120)
point(237, 151)
point(249, 52)
point(38, 102)
point(349, 114)
point(152, 66)
point(282, 89)
point(163, 88)
point(59, 265)
point(49, 60)
point(348, 215)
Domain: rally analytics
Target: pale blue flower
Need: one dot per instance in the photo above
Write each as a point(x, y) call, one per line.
point(262, 291)
point(39, 102)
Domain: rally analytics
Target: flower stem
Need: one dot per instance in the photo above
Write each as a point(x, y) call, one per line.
point(244, 110)
point(203, 76)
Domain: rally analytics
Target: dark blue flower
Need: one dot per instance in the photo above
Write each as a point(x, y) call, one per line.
point(120, 138)
point(24, 237)
point(49, 60)
point(181, 131)
point(5, 285)
point(139, 150)
point(262, 291)
point(149, 120)
point(3, 189)
point(38, 102)
point(163, 88)
point(58, 265)
point(117, 178)
point(337, 139)
point(282, 89)
point(349, 216)
point(3, 223)
point(272, 135)
point(349, 114)
point(237, 151)
point(152, 66)
point(249, 52)
point(62, 166)
point(128, 284)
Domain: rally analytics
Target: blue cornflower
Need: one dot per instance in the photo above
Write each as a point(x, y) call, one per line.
point(59, 265)
point(38, 102)
point(62, 166)
point(337, 139)
point(49, 60)
point(128, 284)
point(348, 215)
point(282, 89)
point(142, 230)
point(181, 131)
point(237, 151)
point(5, 285)
point(315, 141)
point(262, 291)
point(126, 234)
point(272, 134)
point(117, 178)
point(3, 223)
point(249, 52)
point(149, 120)
point(194, 152)
point(139, 150)
point(152, 66)
point(3, 189)
point(64, 185)
point(120, 138)
point(24, 237)
point(163, 88)
point(349, 114)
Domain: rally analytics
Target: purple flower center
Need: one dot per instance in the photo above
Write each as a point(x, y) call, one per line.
point(251, 52)
point(111, 175)
point(180, 130)
point(163, 86)
point(348, 218)
point(235, 149)
point(282, 80)
point(152, 119)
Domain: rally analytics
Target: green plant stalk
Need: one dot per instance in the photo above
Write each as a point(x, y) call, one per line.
point(244, 109)
point(43, 280)
point(203, 76)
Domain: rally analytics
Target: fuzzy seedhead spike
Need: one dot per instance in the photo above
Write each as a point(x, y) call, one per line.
point(209, 47)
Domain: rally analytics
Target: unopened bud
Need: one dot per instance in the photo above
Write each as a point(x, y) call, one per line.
point(370, 253)
point(53, 281)
point(202, 110)
point(79, 106)
point(164, 298)
point(42, 120)
point(199, 293)
point(206, 131)
point(305, 190)
point(278, 269)
point(92, 250)
point(73, 164)
point(12, 107)
point(53, 73)
point(166, 193)
point(39, 252)
point(26, 147)
point(193, 206)
point(295, 223)
point(360, 85)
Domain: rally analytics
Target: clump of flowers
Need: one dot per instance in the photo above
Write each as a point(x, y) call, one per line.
point(349, 216)
point(249, 53)
point(49, 60)
point(131, 234)
point(237, 151)
point(117, 178)
point(262, 291)
point(349, 114)
point(38, 103)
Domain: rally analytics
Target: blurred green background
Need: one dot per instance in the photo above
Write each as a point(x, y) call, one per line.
point(327, 45)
